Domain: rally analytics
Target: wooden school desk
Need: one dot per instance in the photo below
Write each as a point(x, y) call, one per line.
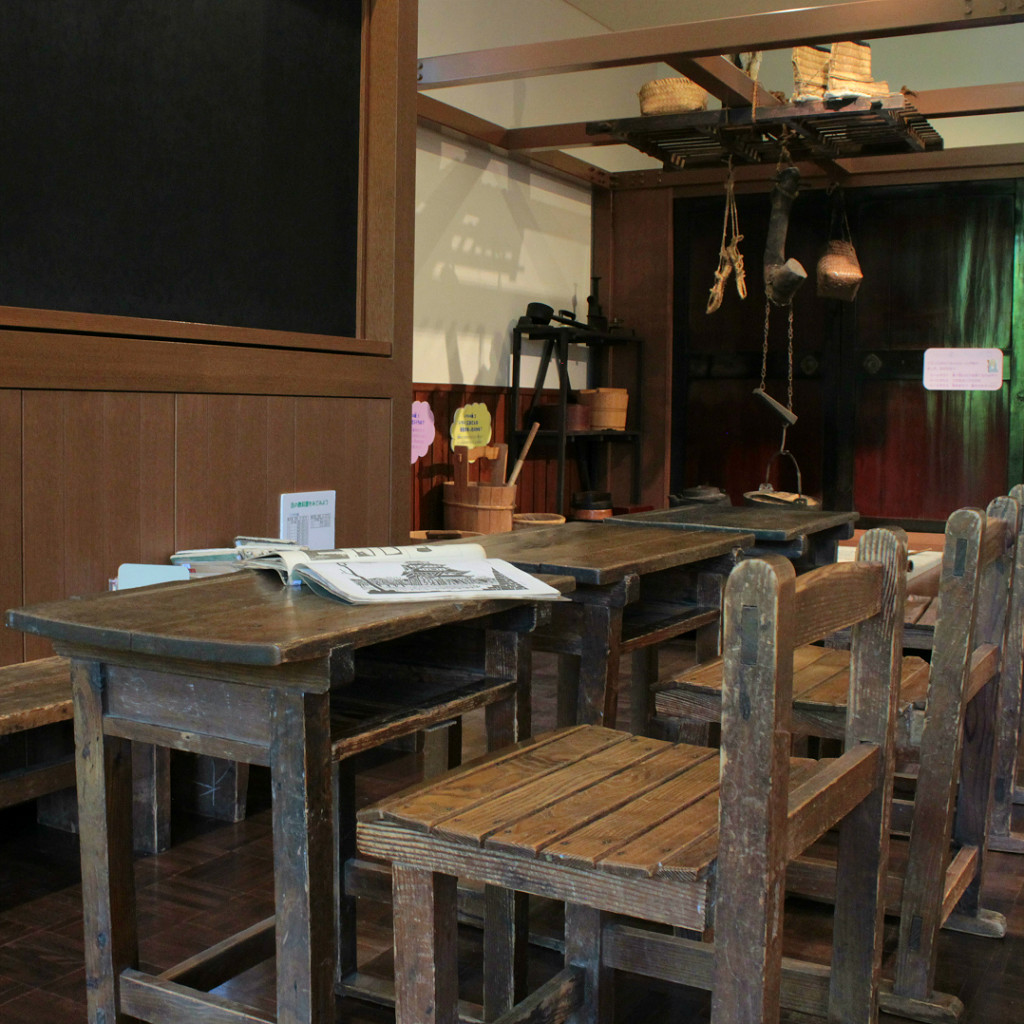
point(239, 667)
point(634, 590)
point(808, 537)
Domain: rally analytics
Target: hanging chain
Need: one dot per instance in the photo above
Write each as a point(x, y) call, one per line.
point(764, 347)
point(790, 356)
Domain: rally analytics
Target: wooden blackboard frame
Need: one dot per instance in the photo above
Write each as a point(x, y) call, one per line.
point(384, 238)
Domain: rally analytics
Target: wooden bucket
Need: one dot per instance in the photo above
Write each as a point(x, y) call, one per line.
point(607, 407)
point(481, 508)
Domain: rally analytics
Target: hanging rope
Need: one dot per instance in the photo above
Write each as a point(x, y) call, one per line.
point(730, 259)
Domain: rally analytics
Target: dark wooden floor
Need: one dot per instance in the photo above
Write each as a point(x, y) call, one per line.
point(217, 879)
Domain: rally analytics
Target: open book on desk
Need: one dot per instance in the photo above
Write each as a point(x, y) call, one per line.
point(420, 572)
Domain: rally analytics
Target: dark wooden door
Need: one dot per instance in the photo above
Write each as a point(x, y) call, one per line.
point(942, 268)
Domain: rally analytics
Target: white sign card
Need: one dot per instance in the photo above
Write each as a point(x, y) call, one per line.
point(308, 517)
point(963, 369)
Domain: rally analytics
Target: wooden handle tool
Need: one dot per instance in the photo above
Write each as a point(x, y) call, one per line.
point(517, 468)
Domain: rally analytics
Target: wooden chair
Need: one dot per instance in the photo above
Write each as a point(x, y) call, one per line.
point(1009, 738)
point(610, 822)
point(936, 876)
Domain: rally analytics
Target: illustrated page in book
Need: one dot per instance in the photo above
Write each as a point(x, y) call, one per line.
point(286, 561)
point(428, 577)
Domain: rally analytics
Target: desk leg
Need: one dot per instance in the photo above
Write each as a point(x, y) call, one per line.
point(104, 775)
point(508, 657)
point(152, 797)
point(300, 766)
point(345, 919)
point(568, 693)
point(599, 666)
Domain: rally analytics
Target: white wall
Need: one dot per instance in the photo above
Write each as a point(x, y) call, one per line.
point(491, 234)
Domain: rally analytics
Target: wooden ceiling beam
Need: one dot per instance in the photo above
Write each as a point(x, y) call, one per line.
point(572, 135)
point(857, 19)
point(969, 101)
point(442, 117)
point(726, 82)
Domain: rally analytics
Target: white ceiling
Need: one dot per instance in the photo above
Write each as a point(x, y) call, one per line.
point(984, 56)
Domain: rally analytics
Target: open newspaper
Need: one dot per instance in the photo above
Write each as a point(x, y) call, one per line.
point(419, 572)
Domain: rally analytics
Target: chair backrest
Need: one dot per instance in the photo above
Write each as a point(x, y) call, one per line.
point(953, 792)
point(767, 613)
point(1011, 702)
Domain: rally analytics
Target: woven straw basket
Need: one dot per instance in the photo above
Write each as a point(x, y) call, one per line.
point(671, 96)
point(850, 70)
point(842, 68)
point(810, 71)
point(839, 273)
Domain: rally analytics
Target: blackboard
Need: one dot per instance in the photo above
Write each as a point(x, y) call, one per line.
point(189, 160)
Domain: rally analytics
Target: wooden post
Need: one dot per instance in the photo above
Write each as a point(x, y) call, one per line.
point(941, 744)
point(863, 856)
point(300, 766)
point(104, 771)
point(757, 651)
point(426, 941)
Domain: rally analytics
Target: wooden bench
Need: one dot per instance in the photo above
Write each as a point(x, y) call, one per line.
point(38, 760)
point(35, 707)
point(936, 875)
point(614, 823)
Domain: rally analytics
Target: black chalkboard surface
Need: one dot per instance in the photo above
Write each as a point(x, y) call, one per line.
point(187, 160)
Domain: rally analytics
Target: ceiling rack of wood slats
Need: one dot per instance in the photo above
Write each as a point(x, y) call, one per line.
point(816, 130)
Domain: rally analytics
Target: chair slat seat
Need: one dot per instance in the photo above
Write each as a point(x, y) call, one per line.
point(821, 681)
point(628, 806)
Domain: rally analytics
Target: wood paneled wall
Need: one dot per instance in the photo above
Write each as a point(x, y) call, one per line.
point(632, 254)
point(942, 266)
point(92, 479)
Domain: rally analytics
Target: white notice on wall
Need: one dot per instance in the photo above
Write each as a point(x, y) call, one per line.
point(308, 517)
point(963, 369)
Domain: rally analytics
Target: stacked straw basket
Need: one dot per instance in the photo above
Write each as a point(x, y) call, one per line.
point(671, 96)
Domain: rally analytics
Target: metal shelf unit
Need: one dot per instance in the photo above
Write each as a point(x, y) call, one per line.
point(557, 340)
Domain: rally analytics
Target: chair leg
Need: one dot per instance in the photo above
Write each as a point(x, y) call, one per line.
point(506, 940)
point(151, 797)
point(583, 949)
point(426, 947)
